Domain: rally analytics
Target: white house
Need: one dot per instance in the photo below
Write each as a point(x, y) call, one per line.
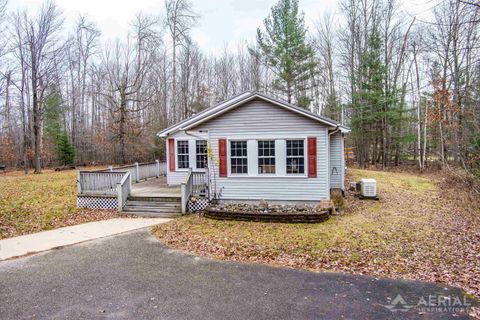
point(260, 148)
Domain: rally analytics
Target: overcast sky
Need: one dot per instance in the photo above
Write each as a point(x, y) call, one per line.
point(221, 21)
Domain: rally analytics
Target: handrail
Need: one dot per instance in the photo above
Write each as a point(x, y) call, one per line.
point(123, 191)
point(186, 189)
point(125, 177)
point(196, 184)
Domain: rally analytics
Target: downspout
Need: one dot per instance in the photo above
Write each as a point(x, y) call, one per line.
point(337, 129)
point(334, 131)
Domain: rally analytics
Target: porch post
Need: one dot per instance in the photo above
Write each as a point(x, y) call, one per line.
point(119, 197)
point(158, 168)
point(184, 198)
point(137, 170)
point(79, 185)
point(207, 182)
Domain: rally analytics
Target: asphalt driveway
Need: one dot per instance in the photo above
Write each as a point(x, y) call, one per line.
point(133, 276)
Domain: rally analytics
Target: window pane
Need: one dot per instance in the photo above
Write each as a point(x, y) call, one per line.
point(295, 157)
point(238, 157)
point(266, 157)
point(182, 154)
point(201, 154)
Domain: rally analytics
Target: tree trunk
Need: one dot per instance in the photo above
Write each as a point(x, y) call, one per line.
point(36, 119)
point(122, 128)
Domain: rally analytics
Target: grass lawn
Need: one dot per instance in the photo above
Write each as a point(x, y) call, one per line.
point(37, 202)
point(424, 228)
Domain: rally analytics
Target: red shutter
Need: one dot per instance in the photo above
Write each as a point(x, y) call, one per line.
point(312, 157)
point(222, 156)
point(171, 154)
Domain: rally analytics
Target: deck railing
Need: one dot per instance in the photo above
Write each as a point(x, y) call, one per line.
point(117, 181)
point(101, 182)
point(148, 170)
point(200, 184)
point(105, 180)
point(123, 190)
point(142, 171)
point(132, 169)
point(196, 184)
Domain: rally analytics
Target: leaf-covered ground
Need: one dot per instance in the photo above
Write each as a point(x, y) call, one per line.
point(36, 202)
point(425, 228)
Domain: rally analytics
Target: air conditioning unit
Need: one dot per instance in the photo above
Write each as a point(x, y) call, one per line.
point(368, 188)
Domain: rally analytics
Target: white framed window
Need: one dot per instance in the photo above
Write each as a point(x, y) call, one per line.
point(266, 157)
point(295, 156)
point(201, 154)
point(238, 157)
point(182, 154)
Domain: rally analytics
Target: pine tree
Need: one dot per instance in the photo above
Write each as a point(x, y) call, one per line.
point(65, 152)
point(369, 101)
point(378, 114)
point(286, 51)
point(52, 124)
point(54, 132)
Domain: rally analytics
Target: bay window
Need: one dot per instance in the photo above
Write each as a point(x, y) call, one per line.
point(238, 157)
point(295, 157)
point(270, 157)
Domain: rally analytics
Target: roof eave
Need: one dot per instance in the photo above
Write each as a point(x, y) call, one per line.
point(344, 129)
point(238, 100)
point(179, 126)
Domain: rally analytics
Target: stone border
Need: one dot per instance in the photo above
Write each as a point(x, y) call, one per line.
point(308, 217)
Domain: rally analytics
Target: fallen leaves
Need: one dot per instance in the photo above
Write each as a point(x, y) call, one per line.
point(423, 228)
point(33, 203)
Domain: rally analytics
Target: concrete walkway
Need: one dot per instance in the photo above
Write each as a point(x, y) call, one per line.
point(46, 240)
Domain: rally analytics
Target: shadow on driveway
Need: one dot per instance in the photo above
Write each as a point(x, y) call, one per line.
point(133, 276)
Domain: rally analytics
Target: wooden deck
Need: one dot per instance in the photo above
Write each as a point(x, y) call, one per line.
point(156, 187)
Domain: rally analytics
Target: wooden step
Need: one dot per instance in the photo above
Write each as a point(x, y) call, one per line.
point(155, 199)
point(154, 214)
point(151, 209)
point(161, 207)
point(152, 204)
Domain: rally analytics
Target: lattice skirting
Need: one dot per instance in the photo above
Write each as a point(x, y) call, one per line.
point(197, 205)
point(93, 202)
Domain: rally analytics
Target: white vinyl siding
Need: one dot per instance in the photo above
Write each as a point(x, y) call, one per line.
point(337, 161)
point(260, 120)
